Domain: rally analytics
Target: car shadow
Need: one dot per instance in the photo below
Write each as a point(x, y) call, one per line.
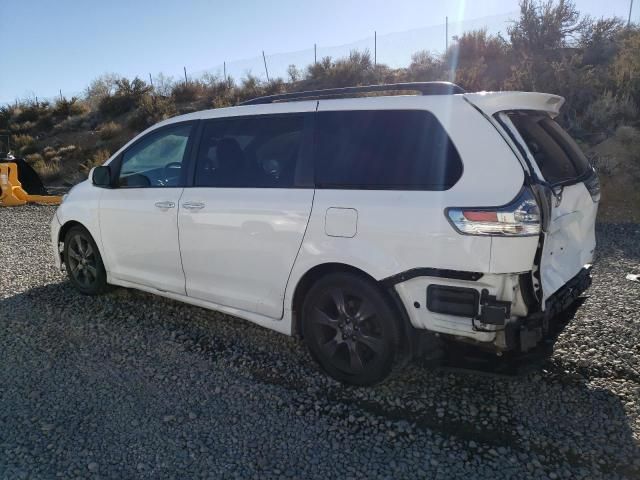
point(539, 408)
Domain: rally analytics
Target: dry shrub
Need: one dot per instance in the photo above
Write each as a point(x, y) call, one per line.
point(609, 111)
point(188, 92)
point(127, 96)
point(109, 130)
point(47, 170)
point(49, 152)
point(97, 159)
point(19, 141)
point(151, 110)
point(628, 135)
point(34, 158)
point(24, 144)
point(69, 149)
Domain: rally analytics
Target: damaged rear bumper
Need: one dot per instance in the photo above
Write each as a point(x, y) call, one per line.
point(524, 334)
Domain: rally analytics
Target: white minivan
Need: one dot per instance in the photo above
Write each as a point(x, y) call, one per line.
point(357, 222)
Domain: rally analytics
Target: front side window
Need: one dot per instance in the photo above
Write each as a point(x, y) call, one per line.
point(243, 152)
point(156, 160)
point(384, 150)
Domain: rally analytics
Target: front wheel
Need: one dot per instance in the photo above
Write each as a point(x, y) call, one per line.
point(83, 262)
point(350, 328)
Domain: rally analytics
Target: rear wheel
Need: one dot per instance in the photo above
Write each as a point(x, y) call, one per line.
point(350, 328)
point(84, 263)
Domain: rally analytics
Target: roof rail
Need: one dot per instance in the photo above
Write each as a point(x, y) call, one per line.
point(424, 88)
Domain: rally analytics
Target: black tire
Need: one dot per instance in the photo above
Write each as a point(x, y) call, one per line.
point(350, 328)
point(83, 262)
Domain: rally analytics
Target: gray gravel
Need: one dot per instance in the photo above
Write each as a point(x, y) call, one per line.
point(132, 385)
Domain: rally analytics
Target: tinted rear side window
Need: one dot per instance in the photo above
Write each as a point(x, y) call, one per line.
point(558, 156)
point(384, 149)
point(245, 152)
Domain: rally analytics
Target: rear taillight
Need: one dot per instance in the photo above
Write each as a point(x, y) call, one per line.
point(519, 218)
point(593, 185)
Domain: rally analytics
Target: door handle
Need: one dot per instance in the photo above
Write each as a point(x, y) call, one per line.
point(193, 205)
point(165, 204)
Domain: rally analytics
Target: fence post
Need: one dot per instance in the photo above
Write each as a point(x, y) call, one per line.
point(265, 66)
point(375, 48)
point(446, 34)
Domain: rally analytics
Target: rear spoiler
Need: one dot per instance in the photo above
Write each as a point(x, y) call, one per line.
point(493, 102)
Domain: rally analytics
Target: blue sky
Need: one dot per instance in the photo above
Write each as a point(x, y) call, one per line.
point(64, 44)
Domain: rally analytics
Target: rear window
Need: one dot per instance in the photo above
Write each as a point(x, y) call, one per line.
point(384, 149)
point(558, 156)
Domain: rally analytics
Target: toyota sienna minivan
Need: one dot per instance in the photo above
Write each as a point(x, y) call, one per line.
point(358, 223)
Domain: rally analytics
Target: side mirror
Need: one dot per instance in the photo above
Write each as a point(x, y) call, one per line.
point(101, 176)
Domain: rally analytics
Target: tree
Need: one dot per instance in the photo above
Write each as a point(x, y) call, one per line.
point(544, 25)
point(101, 87)
point(478, 61)
point(626, 66)
point(293, 73)
point(163, 84)
point(425, 67)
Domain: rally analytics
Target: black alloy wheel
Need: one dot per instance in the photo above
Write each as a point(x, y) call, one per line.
point(350, 328)
point(83, 262)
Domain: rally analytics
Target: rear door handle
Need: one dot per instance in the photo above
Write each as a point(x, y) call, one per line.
point(165, 204)
point(193, 205)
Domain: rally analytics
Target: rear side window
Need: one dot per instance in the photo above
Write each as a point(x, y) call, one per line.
point(385, 150)
point(244, 152)
point(558, 156)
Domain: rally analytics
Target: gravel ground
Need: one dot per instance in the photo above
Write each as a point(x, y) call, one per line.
point(132, 385)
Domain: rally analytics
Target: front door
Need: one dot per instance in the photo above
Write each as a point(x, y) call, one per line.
point(139, 215)
point(242, 223)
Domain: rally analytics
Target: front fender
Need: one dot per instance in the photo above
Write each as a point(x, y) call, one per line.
point(80, 206)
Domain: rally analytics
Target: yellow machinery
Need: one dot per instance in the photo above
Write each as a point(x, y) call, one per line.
point(12, 193)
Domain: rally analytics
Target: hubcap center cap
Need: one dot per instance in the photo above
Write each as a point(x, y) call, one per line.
point(347, 330)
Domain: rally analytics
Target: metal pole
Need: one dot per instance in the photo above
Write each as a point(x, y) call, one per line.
point(150, 80)
point(446, 34)
point(630, 8)
point(265, 66)
point(375, 48)
point(60, 94)
point(315, 54)
point(185, 75)
point(224, 70)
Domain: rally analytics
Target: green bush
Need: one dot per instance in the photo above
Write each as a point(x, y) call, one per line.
point(69, 108)
point(32, 112)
